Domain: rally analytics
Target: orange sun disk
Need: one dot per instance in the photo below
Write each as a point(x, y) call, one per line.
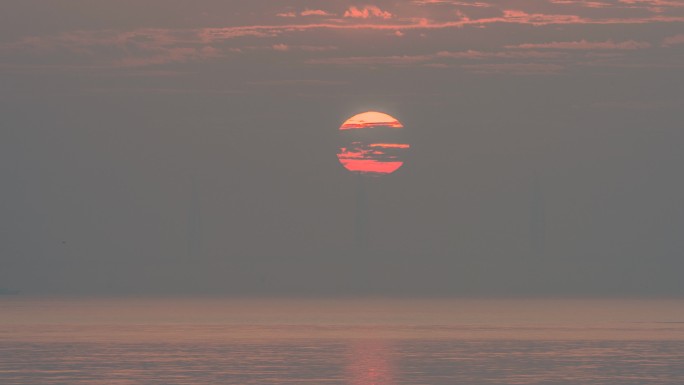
point(363, 156)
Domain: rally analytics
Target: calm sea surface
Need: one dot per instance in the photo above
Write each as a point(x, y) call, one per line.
point(356, 342)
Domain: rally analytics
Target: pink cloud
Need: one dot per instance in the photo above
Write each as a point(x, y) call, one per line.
point(654, 3)
point(585, 45)
point(367, 12)
point(373, 60)
point(317, 48)
point(514, 68)
point(315, 12)
point(135, 48)
point(403, 60)
point(156, 46)
point(583, 3)
point(213, 34)
point(509, 16)
point(477, 4)
point(152, 39)
point(472, 54)
point(522, 17)
point(462, 16)
point(307, 48)
point(673, 40)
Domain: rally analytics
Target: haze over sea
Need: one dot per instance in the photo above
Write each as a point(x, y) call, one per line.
point(340, 341)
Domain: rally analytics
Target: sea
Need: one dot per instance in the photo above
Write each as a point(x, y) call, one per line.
point(376, 341)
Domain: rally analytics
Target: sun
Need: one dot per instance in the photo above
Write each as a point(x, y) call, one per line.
point(371, 119)
point(371, 144)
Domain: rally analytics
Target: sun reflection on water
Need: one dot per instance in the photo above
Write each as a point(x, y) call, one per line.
point(370, 364)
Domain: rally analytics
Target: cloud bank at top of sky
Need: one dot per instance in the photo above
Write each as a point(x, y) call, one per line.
point(315, 33)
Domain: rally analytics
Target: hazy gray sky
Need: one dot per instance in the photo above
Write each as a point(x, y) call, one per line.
point(190, 146)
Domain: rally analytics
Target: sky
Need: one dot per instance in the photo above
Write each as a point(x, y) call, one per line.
point(190, 147)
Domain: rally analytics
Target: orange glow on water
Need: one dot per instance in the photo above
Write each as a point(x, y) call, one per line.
point(370, 364)
point(368, 147)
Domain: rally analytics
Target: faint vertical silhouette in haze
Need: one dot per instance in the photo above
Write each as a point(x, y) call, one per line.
point(361, 219)
point(194, 237)
point(537, 220)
